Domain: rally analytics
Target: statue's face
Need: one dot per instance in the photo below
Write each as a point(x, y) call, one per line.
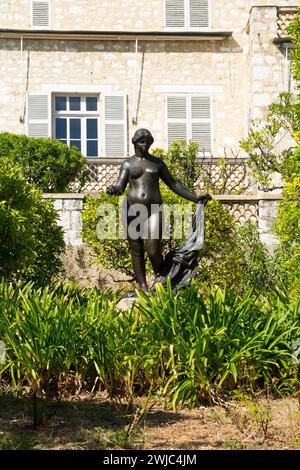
point(143, 145)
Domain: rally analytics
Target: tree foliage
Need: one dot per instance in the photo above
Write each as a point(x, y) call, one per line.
point(288, 220)
point(31, 240)
point(49, 164)
point(271, 142)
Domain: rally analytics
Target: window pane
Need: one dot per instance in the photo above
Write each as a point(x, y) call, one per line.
point(63, 141)
point(91, 103)
point(77, 144)
point(92, 148)
point(60, 128)
point(60, 103)
point(74, 103)
point(91, 129)
point(75, 130)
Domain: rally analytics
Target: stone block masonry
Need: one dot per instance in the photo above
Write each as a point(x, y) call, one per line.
point(69, 207)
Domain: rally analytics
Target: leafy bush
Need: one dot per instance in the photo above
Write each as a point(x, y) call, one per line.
point(186, 347)
point(220, 259)
point(182, 159)
point(215, 176)
point(288, 224)
point(264, 143)
point(230, 256)
point(110, 252)
point(50, 164)
point(31, 240)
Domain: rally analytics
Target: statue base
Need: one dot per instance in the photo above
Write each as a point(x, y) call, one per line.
point(126, 303)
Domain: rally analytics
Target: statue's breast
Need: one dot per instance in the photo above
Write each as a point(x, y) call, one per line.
point(136, 172)
point(152, 170)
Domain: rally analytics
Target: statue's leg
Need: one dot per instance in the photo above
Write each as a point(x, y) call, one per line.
point(136, 248)
point(153, 241)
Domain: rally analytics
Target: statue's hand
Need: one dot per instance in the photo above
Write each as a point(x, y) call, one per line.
point(204, 198)
point(113, 191)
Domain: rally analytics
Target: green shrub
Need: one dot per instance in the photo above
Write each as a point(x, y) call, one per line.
point(31, 240)
point(231, 255)
point(50, 164)
point(182, 159)
point(288, 224)
point(110, 252)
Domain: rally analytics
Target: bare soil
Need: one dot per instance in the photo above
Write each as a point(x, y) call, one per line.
point(91, 423)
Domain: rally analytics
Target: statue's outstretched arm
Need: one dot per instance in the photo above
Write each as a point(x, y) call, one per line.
point(120, 187)
point(178, 188)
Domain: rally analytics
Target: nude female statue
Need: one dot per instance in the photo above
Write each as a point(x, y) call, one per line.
point(142, 171)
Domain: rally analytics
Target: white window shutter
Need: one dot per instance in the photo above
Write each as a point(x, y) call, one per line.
point(175, 13)
point(201, 122)
point(176, 118)
point(41, 14)
point(37, 115)
point(199, 13)
point(115, 130)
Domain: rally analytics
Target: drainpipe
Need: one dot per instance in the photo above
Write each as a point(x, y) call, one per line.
point(134, 106)
point(21, 117)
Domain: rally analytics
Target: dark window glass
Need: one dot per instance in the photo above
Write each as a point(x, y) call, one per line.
point(74, 103)
point(63, 141)
point(92, 148)
point(75, 130)
point(60, 103)
point(60, 128)
point(91, 129)
point(77, 144)
point(91, 103)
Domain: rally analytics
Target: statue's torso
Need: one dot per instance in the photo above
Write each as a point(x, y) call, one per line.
point(144, 176)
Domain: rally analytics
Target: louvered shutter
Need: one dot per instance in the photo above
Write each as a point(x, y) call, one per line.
point(177, 118)
point(115, 126)
point(175, 13)
point(37, 115)
point(198, 13)
point(201, 122)
point(41, 14)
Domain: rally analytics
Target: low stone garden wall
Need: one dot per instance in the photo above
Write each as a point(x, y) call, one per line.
point(259, 208)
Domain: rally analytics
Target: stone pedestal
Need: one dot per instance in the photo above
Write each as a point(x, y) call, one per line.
point(126, 303)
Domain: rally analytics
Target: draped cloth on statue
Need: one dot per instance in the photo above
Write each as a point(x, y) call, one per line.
point(180, 265)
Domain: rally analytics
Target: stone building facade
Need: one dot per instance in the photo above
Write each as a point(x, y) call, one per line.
point(90, 72)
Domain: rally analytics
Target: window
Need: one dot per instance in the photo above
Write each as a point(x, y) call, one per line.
point(189, 118)
point(40, 14)
point(187, 14)
point(96, 123)
point(76, 122)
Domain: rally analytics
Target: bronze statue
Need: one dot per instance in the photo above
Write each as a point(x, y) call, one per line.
point(142, 171)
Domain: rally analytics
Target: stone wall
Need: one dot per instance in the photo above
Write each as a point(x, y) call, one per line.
point(116, 15)
point(267, 62)
point(260, 209)
point(69, 207)
point(243, 74)
point(212, 67)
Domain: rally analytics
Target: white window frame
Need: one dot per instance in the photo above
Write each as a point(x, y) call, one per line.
point(83, 115)
point(188, 97)
point(31, 16)
point(187, 26)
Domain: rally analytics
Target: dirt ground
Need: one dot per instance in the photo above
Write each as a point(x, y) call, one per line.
point(90, 423)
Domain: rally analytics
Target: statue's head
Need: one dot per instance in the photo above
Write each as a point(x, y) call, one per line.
point(142, 134)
